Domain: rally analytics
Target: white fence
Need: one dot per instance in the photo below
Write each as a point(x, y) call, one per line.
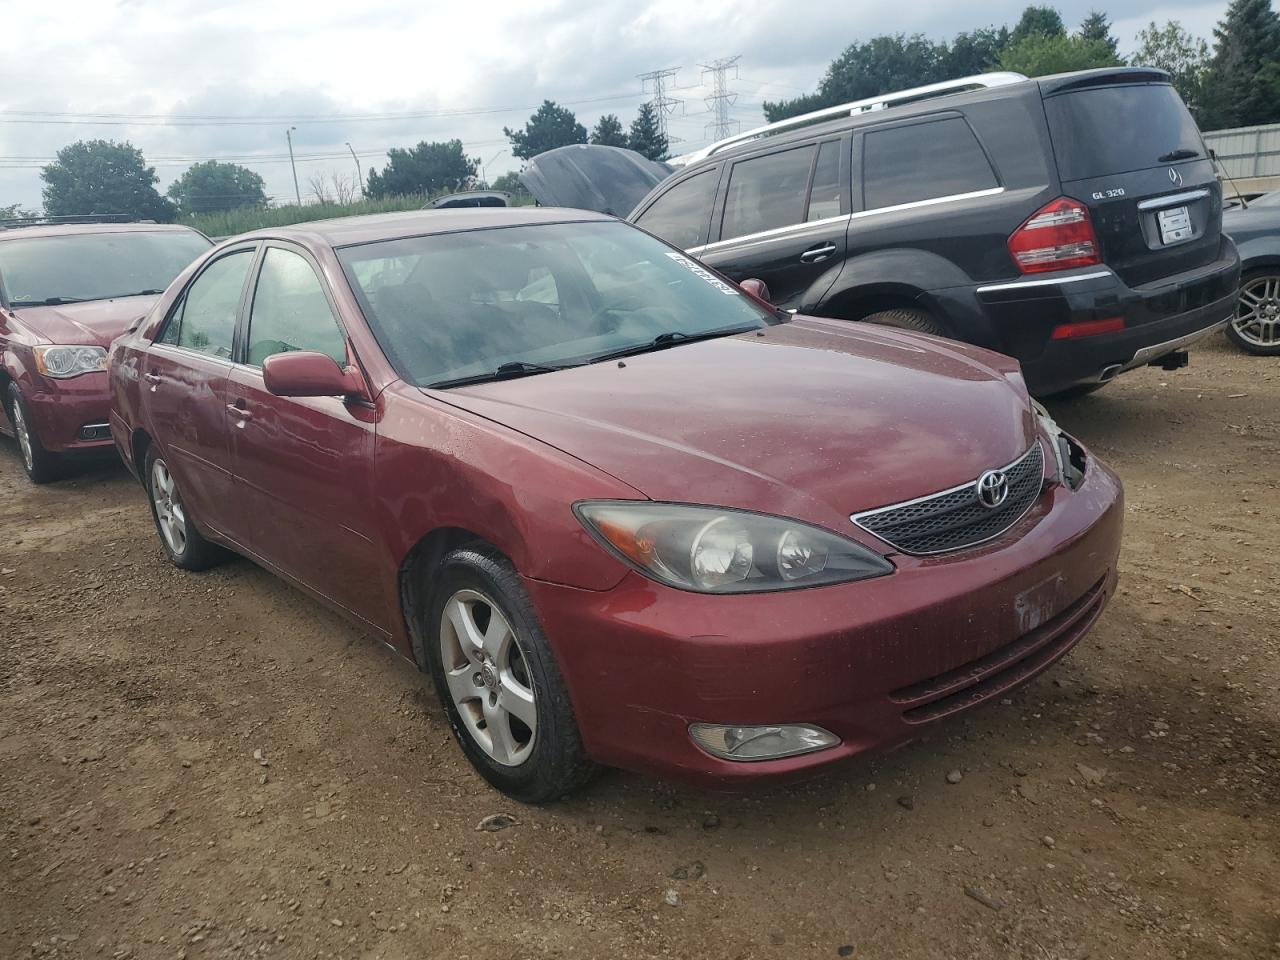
point(1248, 151)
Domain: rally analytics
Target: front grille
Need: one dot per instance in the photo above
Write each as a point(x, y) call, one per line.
point(1003, 668)
point(955, 518)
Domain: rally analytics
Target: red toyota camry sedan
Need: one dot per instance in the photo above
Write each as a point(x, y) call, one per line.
point(67, 289)
point(624, 512)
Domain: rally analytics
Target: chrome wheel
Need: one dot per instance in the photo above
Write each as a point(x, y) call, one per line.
point(170, 515)
point(488, 677)
point(21, 430)
point(1257, 319)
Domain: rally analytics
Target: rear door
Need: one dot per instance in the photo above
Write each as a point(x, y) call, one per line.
point(681, 213)
point(184, 378)
point(1132, 153)
point(783, 221)
point(303, 465)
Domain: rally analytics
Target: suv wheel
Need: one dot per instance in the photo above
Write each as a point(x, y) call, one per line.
point(1256, 326)
point(907, 318)
point(499, 681)
point(41, 465)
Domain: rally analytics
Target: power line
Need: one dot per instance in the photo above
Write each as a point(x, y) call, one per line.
point(663, 103)
point(722, 98)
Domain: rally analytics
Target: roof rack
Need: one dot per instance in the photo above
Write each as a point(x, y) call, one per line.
point(881, 102)
point(16, 222)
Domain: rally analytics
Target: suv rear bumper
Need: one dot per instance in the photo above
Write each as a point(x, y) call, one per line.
point(1159, 319)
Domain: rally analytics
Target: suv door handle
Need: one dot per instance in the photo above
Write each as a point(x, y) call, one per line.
point(152, 378)
point(238, 411)
point(818, 254)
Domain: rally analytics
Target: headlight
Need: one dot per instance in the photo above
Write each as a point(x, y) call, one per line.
point(63, 362)
point(712, 550)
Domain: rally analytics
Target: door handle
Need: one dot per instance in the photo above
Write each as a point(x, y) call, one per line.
point(152, 378)
point(818, 254)
point(237, 411)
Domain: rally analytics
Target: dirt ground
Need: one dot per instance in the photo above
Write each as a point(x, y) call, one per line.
point(214, 766)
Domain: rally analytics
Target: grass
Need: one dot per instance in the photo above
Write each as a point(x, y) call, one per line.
point(230, 222)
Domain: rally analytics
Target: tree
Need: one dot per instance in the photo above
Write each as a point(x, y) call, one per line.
point(334, 188)
point(1097, 26)
point(881, 65)
point(211, 187)
point(15, 211)
point(550, 126)
point(1039, 55)
point(645, 137)
point(510, 182)
point(976, 51)
point(1174, 50)
point(1038, 22)
point(1242, 84)
point(102, 176)
point(427, 168)
point(608, 132)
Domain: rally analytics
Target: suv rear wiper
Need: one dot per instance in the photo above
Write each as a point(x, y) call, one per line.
point(669, 339)
point(1182, 153)
point(506, 371)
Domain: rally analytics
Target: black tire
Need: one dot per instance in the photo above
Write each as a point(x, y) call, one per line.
point(40, 465)
point(194, 552)
point(1263, 284)
point(556, 764)
point(907, 318)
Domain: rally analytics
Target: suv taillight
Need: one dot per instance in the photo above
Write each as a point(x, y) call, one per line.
point(1057, 236)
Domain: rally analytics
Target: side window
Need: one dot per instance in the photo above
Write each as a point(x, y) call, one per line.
point(205, 320)
point(680, 216)
point(290, 311)
point(923, 161)
point(767, 192)
point(827, 192)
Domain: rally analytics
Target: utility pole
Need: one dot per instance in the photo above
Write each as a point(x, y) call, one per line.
point(721, 98)
point(664, 105)
point(359, 172)
point(485, 163)
point(288, 134)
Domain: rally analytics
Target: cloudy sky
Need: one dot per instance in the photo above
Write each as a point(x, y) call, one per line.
point(190, 79)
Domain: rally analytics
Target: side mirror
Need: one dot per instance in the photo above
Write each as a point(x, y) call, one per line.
point(308, 374)
point(756, 289)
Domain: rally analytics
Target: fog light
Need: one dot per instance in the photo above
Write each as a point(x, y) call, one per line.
point(760, 743)
point(95, 431)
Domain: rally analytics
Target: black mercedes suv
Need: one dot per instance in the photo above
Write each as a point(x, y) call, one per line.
point(1073, 222)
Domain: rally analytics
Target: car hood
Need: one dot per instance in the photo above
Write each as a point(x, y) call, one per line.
point(585, 176)
point(812, 419)
point(95, 323)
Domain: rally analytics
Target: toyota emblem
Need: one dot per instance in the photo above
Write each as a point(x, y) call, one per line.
point(1175, 177)
point(993, 489)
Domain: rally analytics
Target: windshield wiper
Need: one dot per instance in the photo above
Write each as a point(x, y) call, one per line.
point(1182, 153)
point(136, 293)
point(669, 339)
point(507, 371)
point(49, 301)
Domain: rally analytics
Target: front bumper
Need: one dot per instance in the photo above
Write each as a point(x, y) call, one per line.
point(874, 662)
point(62, 410)
point(1159, 319)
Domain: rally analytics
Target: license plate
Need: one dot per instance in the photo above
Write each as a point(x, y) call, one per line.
point(1175, 225)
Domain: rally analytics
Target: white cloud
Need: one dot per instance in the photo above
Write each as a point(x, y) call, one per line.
point(262, 58)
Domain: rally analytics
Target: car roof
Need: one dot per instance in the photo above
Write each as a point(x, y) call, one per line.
point(79, 229)
point(370, 228)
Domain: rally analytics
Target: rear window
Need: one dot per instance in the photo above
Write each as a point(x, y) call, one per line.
point(923, 161)
point(767, 192)
point(1109, 130)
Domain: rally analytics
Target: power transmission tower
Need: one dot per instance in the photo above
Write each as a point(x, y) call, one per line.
point(660, 83)
point(721, 98)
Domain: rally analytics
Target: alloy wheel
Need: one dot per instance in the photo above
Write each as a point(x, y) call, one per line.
point(1257, 319)
point(24, 437)
point(488, 678)
point(171, 517)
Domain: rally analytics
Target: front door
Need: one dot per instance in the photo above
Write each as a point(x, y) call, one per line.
point(304, 465)
point(785, 215)
point(185, 376)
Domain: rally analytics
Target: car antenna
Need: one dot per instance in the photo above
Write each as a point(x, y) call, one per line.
point(1244, 204)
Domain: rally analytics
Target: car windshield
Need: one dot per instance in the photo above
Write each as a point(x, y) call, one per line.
point(456, 306)
point(94, 266)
